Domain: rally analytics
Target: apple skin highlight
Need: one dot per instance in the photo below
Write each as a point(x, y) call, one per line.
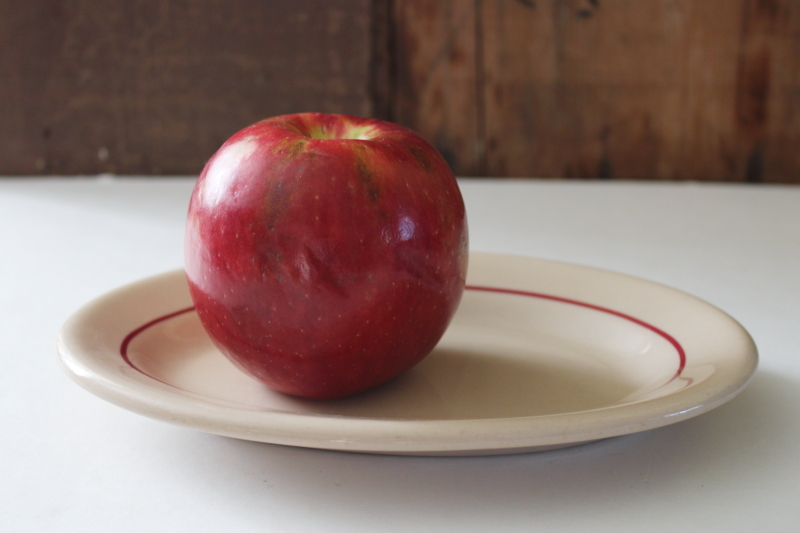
point(326, 254)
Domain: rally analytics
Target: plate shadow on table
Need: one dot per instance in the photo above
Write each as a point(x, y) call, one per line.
point(717, 450)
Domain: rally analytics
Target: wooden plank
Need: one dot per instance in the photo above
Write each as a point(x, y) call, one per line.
point(155, 86)
point(652, 89)
point(435, 91)
point(768, 91)
point(609, 89)
point(632, 89)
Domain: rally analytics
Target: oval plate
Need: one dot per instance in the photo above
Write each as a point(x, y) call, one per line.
point(540, 355)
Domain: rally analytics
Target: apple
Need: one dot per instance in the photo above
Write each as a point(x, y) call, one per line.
point(326, 254)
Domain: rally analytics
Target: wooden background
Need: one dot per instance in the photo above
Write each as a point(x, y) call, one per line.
point(632, 89)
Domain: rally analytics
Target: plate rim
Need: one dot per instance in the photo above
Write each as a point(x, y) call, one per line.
point(150, 397)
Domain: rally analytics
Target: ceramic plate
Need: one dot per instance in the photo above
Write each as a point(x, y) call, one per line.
point(540, 355)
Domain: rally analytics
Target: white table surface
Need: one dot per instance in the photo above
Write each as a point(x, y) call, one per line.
point(72, 462)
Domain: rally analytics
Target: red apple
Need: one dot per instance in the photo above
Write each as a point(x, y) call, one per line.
point(326, 254)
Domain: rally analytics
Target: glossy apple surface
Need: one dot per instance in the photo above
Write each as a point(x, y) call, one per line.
point(326, 254)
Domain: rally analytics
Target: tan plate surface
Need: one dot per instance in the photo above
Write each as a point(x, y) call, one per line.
point(540, 355)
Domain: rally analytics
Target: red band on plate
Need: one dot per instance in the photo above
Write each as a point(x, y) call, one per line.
point(669, 338)
point(123, 349)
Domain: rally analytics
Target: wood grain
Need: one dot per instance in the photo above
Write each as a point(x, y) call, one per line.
point(609, 89)
point(155, 86)
point(436, 83)
point(632, 89)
